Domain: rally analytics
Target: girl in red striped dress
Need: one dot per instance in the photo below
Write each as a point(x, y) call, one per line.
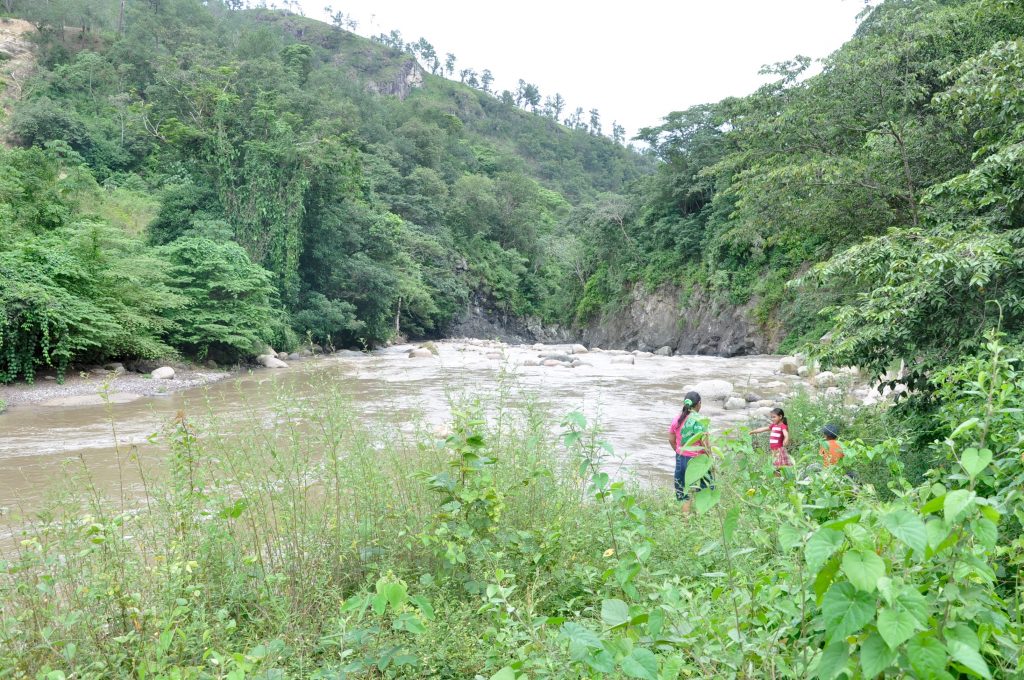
point(778, 438)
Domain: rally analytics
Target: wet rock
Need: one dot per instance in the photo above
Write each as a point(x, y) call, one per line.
point(579, 349)
point(711, 390)
point(557, 357)
point(420, 353)
point(789, 365)
point(751, 397)
point(162, 373)
point(824, 379)
point(735, 403)
point(664, 351)
point(268, 361)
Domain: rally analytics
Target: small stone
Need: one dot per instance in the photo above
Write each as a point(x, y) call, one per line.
point(162, 373)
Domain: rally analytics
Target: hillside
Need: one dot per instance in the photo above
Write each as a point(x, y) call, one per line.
point(351, 194)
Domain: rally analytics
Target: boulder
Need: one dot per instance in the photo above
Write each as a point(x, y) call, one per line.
point(803, 371)
point(596, 349)
point(789, 365)
point(551, 362)
point(116, 366)
point(420, 353)
point(579, 349)
point(317, 349)
point(579, 362)
point(211, 364)
point(827, 338)
point(735, 404)
point(294, 356)
point(162, 373)
point(558, 357)
point(283, 356)
point(711, 390)
point(623, 359)
point(833, 392)
point(824, 379)
point(664, 351)
point(268, 361)
point(751, 397)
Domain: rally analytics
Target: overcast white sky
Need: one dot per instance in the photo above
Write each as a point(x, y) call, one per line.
point(635, 61)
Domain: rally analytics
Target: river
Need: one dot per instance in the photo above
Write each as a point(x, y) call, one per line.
point(633, 402)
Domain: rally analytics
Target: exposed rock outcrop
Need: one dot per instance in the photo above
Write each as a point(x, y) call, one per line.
point(699, 325)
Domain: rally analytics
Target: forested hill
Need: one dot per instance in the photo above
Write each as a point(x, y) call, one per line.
point(881, 199)
point(195, 179)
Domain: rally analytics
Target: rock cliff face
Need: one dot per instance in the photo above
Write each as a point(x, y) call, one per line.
point(704, 325)
point(649, 321)
point(408, 78)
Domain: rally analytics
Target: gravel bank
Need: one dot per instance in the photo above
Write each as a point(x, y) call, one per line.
point(82, 388)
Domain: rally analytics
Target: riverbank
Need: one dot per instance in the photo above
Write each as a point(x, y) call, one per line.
point(99, 385)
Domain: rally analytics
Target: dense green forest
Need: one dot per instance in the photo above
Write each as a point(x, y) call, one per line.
point(199, 179)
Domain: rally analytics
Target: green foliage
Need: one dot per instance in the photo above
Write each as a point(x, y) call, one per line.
point(229, 310)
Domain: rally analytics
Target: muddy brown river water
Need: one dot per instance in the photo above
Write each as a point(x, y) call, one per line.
point(633, 402)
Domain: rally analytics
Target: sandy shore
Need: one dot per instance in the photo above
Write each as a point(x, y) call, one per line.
point(84, 388)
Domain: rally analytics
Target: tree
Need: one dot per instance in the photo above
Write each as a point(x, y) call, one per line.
point(595, 122)
point(553, 106)
point(486, 80)
point(449, 64)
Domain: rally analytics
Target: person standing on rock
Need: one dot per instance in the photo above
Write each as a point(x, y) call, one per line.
point(778, 439)
point(688, 437)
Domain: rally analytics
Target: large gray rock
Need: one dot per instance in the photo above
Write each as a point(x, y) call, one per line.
point(283, 356)
point(750, 396)
point(789, 365)
point(735, 404)
point(824, 379)
point(711, 390)
point(268, 361)
point(162, 373)
point(664, 351)
point(558, 357)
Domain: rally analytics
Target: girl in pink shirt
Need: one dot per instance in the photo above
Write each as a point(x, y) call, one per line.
point(778, 438)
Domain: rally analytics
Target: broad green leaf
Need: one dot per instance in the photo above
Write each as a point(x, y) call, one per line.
point(875, 655)
point(706, 499)
point(505, 673)
point(908, 528)
point(963, 645)
point(937, 531)
point(846, 610)
point(602, 662)
point(732, 518)
point(833, 660)
point(614, 613)
point(975, 461)
point(696, 469)
point(957, 503)
point(896, 626)
point(581, 640)
point(641, 663)
point(790, 536)
point(821, 545)
point(863, 568)
point(985, 531)
point(927, 657)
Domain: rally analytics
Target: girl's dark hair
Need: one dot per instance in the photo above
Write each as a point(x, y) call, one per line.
point(689, 401)
point(780, 412)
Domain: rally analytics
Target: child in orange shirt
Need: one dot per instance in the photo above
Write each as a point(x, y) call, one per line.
point(831, 452)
